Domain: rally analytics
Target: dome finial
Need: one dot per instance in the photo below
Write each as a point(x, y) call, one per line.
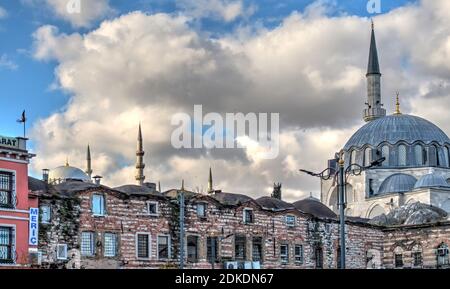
point(397, 105)
point(67, 161)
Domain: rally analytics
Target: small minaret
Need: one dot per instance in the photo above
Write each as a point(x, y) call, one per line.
point(210, 182)
point(88, 162)
point(140, 159)
point(374, 108)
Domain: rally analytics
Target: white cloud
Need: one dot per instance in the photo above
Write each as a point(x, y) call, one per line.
point(226, 10)
point(310, 69)
point(3, 13)
point(79, 13)
point(6, 62)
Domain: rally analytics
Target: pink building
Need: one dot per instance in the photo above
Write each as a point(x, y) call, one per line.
point(15, 204)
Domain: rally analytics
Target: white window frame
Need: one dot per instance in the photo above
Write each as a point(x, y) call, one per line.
point(149, 246)
point(58, 256)
point(205, 207)
point(243, 216)
point(287, 254)
point(169, 251)
point(13, 248)
point(104, 205)
point(116, 245)
point(302, 254)
point(156, 203)
point(14, 190)
point(49, 213)
point(289, 224)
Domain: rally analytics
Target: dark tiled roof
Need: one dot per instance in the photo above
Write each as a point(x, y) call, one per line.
point(138, 190)
point(314, 207)
point(71, 187)
point(37, 185)
point(274, 204)
point(229, 199)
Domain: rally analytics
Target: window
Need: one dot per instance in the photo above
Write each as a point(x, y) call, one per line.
point(61, 251)
point(402, 155)
point(436, 153)
point(87, 244)
point(110, 245)
point(201, 210)
point(98, 205)
point(192, 249)
point(419, 155)
point(318, 256)
point(212, 249)
point(442, 255)
point(367, 157)
point(298, 254)
point(284, 253)
point(152, 208)
point(398, 260)
point(6, 190)
point(240, 247)
point(446, 157)
point(353, 157)
point(6, 245)
point(248, 216)
point(417, 259)
point(257, 249)
point(290, 221)
point(45, 214)
point(371, 191)
point(385, 154)
point(143, 246)
point(163, 247)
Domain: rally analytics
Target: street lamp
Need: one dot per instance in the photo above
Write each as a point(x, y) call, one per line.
point(341, 175)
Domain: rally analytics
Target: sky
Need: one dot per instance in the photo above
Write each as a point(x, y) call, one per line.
point(91, 77)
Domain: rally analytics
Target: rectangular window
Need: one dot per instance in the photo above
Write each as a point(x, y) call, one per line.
point(87, 244)
point(201, 210)
point(290, 221)
point(6, 245)
point(257, 249)
point(284, 253)
point(61, 251)
point(240, 248)
point(143, 246)
point(45, 214)
point(417, 259)
point(6, 190)
point(298, 254)
point(398, 260)
point(98, 205)
point(152, 208)
point(192, 249)
point(248, 216)
point(163, 247)
point(110, 245)
point(212, 246)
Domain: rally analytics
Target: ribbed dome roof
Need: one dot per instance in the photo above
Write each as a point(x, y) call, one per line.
point(395, 128)
point(431, 180)
point(397, 183)
point(64, 173)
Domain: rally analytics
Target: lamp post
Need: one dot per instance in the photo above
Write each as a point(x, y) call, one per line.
point(341, 175)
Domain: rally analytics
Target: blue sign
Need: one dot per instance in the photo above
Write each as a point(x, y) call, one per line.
point(34, 227)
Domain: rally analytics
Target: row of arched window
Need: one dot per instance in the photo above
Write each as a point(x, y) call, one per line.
point(398, 156)
point(442, 256)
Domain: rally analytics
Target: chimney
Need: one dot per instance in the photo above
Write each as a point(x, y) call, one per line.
point(45, 175)
point(97, 180)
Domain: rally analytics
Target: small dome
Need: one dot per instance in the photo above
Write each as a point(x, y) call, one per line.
point(431, 180)
point(64, 173)
point(395, 128)
point(397, 183)
point(314, 207)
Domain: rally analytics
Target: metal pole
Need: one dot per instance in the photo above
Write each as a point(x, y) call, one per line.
point(342, 209)
point(181, 198)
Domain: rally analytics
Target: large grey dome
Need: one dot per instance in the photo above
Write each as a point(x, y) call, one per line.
point(64, 173)
point(397, 183)
point(395, 128)
point(431, 180)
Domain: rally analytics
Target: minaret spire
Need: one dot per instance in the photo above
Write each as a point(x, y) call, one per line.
point(88, 162)
point(140, 159)
point(210, 181)
point(374, 108)
point(397, 105)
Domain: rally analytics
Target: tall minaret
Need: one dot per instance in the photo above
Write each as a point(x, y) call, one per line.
point(88, 162)
point(210, 182)
point(374, 108)
point(140, 159)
